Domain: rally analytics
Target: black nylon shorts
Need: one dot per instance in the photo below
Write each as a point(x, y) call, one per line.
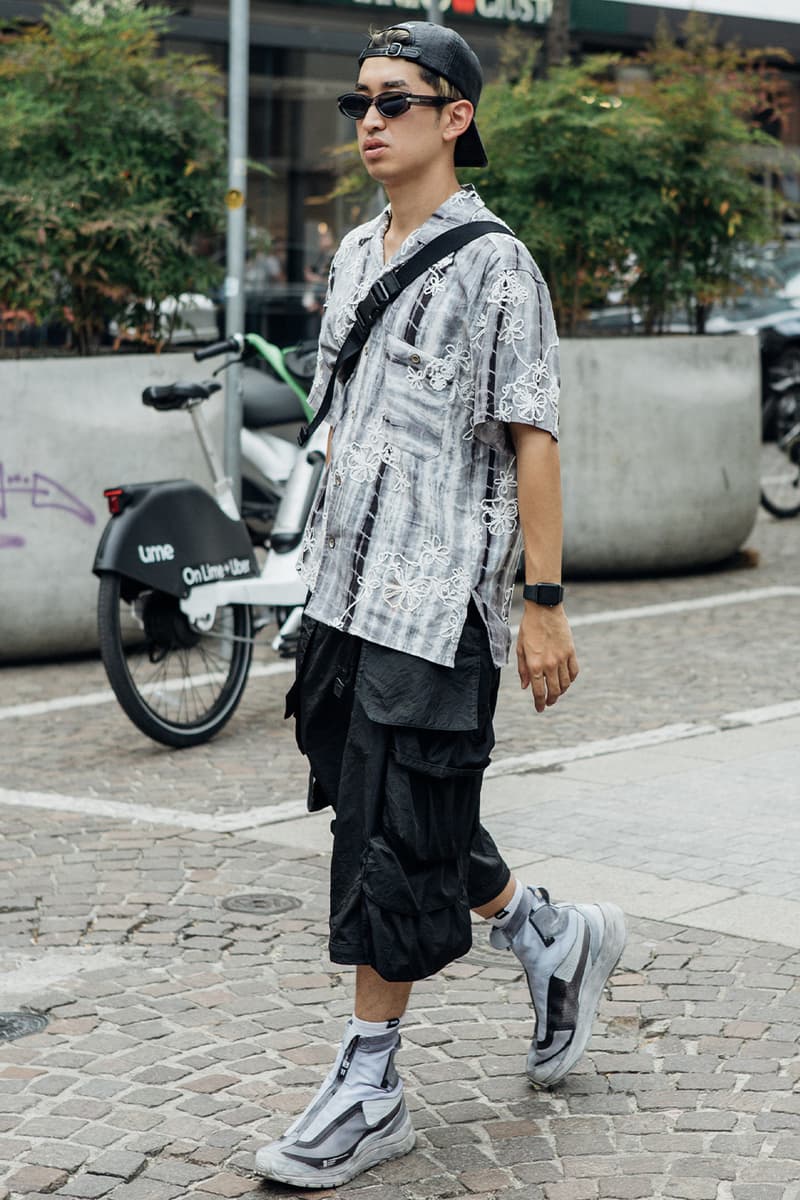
point(398, 746)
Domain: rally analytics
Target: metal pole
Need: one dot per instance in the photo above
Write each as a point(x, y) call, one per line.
point(435, 15)
point(238, 87)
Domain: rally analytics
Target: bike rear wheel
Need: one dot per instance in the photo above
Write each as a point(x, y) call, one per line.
point(179, 685)
point(780, 454)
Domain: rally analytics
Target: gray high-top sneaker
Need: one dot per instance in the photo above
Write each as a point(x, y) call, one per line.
point(352, 1123)
point(568, 952)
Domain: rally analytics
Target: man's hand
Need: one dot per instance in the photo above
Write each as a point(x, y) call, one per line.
point(546, 656)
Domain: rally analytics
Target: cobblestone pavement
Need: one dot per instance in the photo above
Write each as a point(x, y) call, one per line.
point(183, 1033)
point(192, 1034)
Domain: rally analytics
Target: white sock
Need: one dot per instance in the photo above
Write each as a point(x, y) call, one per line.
point(370, 1028)
point(502, 917)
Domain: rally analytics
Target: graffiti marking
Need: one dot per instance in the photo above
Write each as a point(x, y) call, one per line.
point(43, 492)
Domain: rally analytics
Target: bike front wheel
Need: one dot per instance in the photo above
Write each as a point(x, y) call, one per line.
point(780, 454)
point(178, 684)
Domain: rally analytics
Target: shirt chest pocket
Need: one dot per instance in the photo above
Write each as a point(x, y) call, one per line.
point(418, 394)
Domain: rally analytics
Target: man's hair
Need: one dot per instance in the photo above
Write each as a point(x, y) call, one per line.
point(443, 87)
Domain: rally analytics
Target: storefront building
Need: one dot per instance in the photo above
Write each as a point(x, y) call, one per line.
point(303, 54)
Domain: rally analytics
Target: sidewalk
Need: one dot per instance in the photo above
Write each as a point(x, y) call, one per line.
point(184, 1033)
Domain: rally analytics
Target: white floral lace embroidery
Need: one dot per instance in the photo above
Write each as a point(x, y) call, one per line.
point(500, 515)
point(508, 289)
point(406, 583)
point(434, 283)
point(528, 395)
point(308, 563)
point(511, 331)
point(439, 372)
point(361, 464)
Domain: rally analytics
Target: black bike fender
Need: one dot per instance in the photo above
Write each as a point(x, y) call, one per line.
point(173, 536)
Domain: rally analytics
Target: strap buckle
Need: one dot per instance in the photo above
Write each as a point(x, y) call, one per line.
point(381, 294)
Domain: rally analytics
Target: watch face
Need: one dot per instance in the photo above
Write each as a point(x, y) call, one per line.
point(550, 594)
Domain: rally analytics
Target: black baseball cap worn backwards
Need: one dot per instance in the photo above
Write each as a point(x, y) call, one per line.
point(444, 51)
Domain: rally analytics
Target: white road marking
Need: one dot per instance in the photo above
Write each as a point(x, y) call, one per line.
point(25, 974)
point(120, 810)
point(39, 708)
point(671, 607)
point(759, 716)
point(518, 763)
point(748, 596)
point(291, 810)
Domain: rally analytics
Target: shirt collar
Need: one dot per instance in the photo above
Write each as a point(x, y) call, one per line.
point(456, 210)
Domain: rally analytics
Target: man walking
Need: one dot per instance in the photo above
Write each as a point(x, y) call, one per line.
point(442, 452)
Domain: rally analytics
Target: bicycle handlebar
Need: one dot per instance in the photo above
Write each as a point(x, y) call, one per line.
point(231, 345)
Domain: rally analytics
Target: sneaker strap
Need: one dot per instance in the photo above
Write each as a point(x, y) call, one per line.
point(549, 920)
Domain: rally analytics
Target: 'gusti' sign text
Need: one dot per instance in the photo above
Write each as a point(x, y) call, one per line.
point(533, 12)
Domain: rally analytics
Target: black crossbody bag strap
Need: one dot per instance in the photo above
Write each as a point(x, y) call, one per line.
point(383, 291)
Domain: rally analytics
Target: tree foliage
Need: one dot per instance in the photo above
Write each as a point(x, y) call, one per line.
point(643, 176)
point(111, 166)
point(564, 171)
point(706, 201)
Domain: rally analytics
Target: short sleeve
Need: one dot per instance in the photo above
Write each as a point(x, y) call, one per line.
point(515, 356)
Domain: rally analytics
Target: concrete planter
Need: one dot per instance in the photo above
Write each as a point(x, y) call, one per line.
point(660, 450)
point(68, 429)
point(660, 446)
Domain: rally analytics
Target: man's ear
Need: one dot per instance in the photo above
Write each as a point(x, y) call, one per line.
point(459, 117)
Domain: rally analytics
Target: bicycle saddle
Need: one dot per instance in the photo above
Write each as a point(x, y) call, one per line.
point(302, 361)
point(178, 395)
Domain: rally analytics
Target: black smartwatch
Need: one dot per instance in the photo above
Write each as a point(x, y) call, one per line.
point(549, 594)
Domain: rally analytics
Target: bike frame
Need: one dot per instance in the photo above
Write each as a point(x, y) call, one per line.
point(278, 586)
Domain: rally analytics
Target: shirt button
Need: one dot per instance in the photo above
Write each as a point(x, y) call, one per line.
point(331, 542)
point(415, 358)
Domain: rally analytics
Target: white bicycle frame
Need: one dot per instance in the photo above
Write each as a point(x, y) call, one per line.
point(278, 586)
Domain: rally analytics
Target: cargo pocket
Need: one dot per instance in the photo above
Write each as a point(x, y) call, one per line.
point(403, 690)
point(417, 920)
point(416, 868)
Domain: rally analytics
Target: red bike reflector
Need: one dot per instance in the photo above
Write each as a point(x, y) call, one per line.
point(114, 496)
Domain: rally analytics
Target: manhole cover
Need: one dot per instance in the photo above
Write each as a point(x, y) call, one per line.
point(17, 1024)
point(265, 904)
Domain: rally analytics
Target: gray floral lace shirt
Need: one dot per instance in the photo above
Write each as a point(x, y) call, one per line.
point(417, 512)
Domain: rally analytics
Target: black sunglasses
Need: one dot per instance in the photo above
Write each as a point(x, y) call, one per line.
point(389, 104)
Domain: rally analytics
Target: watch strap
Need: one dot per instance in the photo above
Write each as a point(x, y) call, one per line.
point(549, 594)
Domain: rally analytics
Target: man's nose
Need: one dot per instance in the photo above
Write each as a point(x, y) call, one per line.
point(373, 119)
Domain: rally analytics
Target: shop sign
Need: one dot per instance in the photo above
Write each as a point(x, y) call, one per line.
point(523, 12)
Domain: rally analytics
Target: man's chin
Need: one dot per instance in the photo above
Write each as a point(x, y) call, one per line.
point(377, 171)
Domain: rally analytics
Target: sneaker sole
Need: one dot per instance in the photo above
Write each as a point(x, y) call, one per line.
point(369, 1154)
point(592, 990)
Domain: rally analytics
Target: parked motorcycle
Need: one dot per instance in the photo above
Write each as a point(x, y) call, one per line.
point(780, 450)
point(182, 591)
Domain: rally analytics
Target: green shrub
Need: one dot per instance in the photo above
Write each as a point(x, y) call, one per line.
point(112, 171)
